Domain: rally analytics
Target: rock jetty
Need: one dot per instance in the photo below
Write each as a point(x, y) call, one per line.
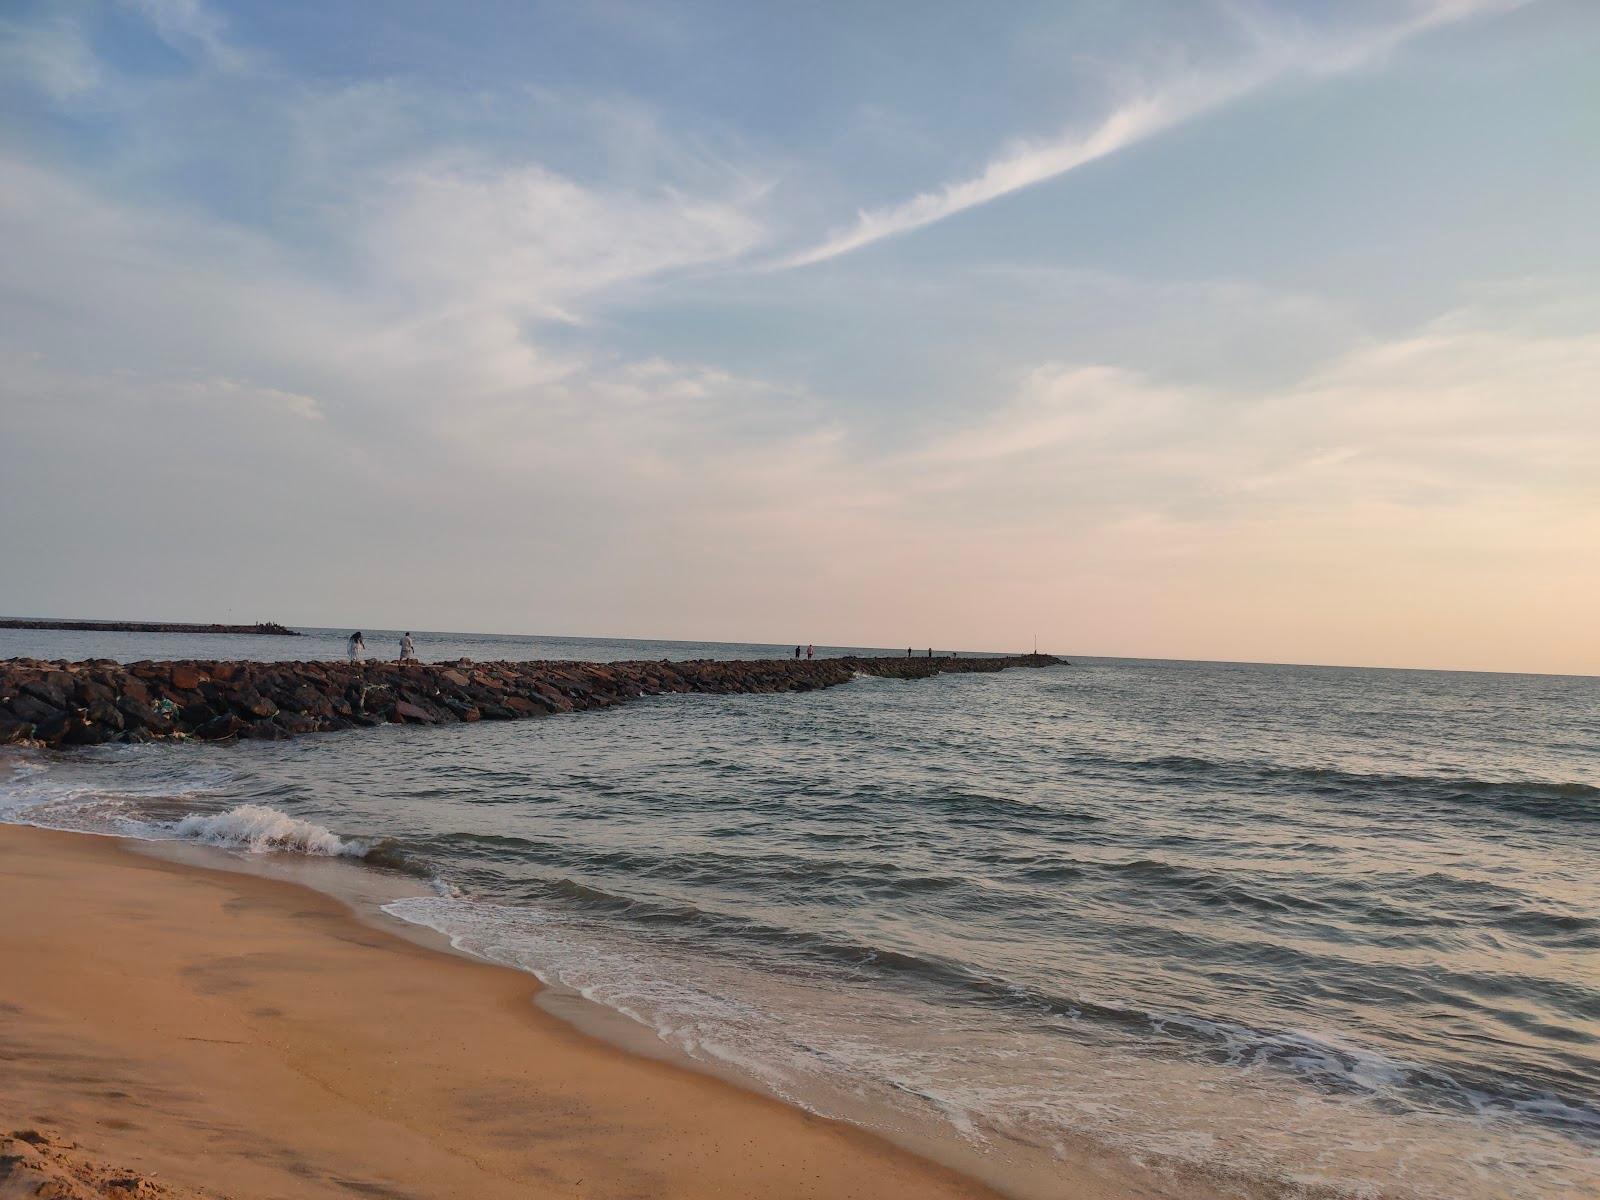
point(270, 627)
point(99, 700)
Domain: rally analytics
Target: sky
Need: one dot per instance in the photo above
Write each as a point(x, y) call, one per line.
point(1260, 330)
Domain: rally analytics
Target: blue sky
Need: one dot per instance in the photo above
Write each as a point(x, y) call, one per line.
point(1212, 328)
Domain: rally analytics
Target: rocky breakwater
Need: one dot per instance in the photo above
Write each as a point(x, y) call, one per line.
point(265, 628)
point(99, 700)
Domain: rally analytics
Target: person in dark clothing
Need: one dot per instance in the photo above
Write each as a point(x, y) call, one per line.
point(797, 654)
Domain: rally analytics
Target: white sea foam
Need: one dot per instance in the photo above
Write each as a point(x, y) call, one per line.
point(46, 793)
point(263, 830)
point(33, 794)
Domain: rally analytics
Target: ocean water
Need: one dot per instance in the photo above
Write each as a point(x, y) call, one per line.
point(1270, 930)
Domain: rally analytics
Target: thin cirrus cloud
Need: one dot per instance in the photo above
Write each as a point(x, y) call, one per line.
point(1278, 52)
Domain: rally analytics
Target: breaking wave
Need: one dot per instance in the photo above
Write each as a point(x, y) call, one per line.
point(263, 830)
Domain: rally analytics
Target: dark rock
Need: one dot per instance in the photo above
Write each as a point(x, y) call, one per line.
point(90, 690)
point(196, 713)
point(54, 727)
point(414, 713)
point(30, 708)
point(54, 689)
point(138, 715)
point(218, 729)
point(252, 703)
point(104, 713)
point(293, 723)
point(87, 733)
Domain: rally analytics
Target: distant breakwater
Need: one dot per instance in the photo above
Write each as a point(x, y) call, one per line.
point(99, 700)
point(260, 627)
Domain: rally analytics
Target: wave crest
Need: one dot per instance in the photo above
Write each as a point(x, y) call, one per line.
point(264, 830)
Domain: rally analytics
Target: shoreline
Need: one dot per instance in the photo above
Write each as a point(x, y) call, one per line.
point(133, 902)
point(157, 908)
point(230, 1033)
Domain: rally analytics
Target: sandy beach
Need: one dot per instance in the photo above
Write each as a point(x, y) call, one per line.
point(212, 1033)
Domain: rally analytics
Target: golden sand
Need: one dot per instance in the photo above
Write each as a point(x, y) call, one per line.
point(166, 1029)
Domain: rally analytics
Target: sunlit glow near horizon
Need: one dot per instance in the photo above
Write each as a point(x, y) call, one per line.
point(1261, 332)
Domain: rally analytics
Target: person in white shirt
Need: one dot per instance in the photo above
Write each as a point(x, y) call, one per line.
point(358, 646)
point(407, 650)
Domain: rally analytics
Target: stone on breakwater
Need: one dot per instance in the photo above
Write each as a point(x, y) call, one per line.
point(86, 703)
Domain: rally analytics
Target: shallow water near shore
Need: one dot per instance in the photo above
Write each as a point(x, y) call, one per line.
point(1303, 930)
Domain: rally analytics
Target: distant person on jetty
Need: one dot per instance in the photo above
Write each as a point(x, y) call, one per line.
point(930, 651)
point(908, 651)
point(408, 652)
point(811, 652)
point(797, 654)
point(357, 647)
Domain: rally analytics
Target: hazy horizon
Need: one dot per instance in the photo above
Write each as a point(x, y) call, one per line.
point(1261, 332)
point(377, 651)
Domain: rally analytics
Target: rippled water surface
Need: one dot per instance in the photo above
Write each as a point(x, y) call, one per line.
point(1292, 928)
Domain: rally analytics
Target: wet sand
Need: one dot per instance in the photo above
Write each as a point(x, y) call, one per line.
point(217, 1033)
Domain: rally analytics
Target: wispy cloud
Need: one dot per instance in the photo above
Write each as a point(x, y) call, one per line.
point(1277, 50)
point(52, 54)
point(190, 27)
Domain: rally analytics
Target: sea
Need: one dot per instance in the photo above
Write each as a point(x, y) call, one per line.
point(1231, 929)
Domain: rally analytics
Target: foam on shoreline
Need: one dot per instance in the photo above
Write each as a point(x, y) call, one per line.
point(261, 830)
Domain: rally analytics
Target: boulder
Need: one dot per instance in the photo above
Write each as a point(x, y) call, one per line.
point(13, 730)
point(251, 703)
point(54, 689)
point(87, 691)
point(138, 715)
point(196, 713)
point(105, 714)
point(54, 727)
point(222, 728)
point(30, 708)
point(185, 676)
point(414, 714)
point(86, 733)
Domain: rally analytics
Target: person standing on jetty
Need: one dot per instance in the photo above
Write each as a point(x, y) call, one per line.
point(811, 652)
point(357, 646)
point(408, 652)
point(797, 654)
